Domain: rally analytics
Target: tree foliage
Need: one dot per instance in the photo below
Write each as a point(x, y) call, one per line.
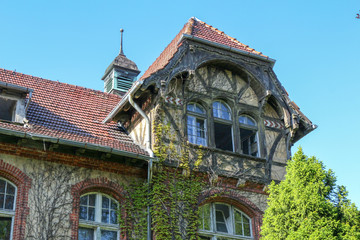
point(309, 205)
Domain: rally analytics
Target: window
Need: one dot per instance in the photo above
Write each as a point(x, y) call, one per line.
point(248, 136)
point(7, 208)
point(98, 217)
point(222, 126)
point(196, 124)
point(7, 109)
point(221, 221)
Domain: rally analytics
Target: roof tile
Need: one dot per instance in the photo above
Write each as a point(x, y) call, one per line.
point(199, 29)
point(69, 112)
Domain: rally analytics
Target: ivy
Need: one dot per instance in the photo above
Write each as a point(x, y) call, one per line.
point(172, 194)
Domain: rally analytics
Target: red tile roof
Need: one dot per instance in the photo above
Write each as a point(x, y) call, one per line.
point(199, 29)
point(69, 112)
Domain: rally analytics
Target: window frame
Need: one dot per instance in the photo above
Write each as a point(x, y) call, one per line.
point(97, 225)
point(249, 127)
point(224, 121)
point(7, 212)
point(213, 234)
point(200, 116)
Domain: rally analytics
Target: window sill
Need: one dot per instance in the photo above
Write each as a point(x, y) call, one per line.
point(222, 235)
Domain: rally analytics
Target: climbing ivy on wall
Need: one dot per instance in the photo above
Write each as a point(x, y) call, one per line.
point(173, 192)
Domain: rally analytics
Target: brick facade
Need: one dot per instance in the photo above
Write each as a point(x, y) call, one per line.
point(23, 184)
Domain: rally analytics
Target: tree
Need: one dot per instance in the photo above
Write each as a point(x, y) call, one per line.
point(309, 205)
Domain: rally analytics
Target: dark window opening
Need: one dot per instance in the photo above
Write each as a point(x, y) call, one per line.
point(223, 136)
point(249, 142)
point(7, 107)
point(5, 228)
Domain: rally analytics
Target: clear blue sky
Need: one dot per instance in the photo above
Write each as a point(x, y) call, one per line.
point(315, 43)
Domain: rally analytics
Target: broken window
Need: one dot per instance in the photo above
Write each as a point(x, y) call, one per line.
point(7, 109)
point(248, 136)
point(196, 124)
point(222, 126)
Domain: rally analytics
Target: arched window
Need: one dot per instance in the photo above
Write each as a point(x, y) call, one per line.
point(7, 208)
point(221, 221)
point(248, 136)
point(98, 217)
point(222, 126)
point(196, 124)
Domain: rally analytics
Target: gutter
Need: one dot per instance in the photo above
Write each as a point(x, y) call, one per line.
point(222, 46)
point(90, 146)
point(128, 97)
point(148, 148)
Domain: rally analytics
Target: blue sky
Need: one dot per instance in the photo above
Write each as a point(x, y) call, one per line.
point(315, 43)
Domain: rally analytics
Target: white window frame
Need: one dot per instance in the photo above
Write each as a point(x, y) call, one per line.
point(214, 235)
point(9, 213)
point(249, 127)
point(225, 122)
point(199, 116)
point(97, 225)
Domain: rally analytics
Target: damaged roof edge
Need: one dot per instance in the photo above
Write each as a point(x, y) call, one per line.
point(272, 61)
point(89, 146)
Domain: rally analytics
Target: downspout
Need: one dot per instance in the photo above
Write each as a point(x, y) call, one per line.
point(148, 149)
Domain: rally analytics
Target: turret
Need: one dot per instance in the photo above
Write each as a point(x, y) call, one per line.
point(120, 74)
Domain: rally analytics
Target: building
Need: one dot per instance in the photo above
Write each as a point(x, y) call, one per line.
point(66, 152)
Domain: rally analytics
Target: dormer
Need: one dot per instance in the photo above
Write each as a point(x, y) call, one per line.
point(120, 74)
point(13, 102)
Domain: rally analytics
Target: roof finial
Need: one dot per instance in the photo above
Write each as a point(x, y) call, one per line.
point(121, 43)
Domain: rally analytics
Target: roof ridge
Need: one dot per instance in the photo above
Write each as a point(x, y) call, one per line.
point(55, 81)
point(227, 36)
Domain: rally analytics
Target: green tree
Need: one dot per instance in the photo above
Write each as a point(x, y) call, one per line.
point(309, 205)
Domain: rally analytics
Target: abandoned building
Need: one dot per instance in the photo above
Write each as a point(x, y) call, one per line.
point(71, 149)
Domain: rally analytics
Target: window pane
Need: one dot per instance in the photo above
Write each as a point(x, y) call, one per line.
point(2, 186)
point(246, 222)
point(113, 217)
point(113, 205)
point(195, 108)
point(248, 141)
point(91, 214)
point(247, 230)
point(10, 189)
point(223, 136)
point(5, 228)
point(84, 200)
point(105, 202)
point(92, 199)
point(247, 120)
point(196, 130)
point(86, 234)
point(1, 200)
point(222, 215)
point(83, 213)
point(205, 217)
point(105, 216)
point(9, 202)
point(108, 235)
point(238, 223)
point(220, 110)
